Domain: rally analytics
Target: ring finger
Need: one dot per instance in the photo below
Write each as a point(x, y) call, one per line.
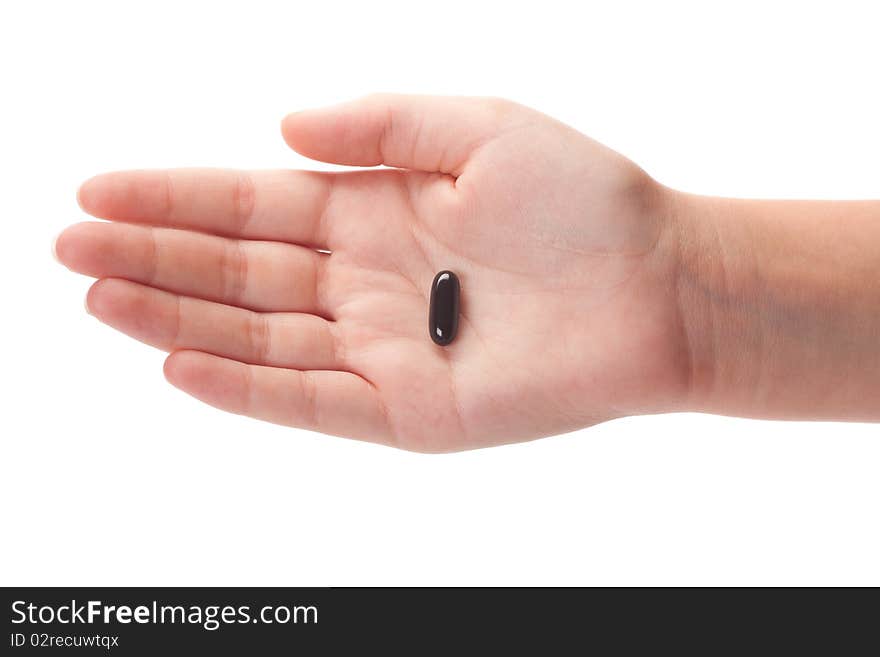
point(172, 322)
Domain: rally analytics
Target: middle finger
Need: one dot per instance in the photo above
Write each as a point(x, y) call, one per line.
point(263, 276)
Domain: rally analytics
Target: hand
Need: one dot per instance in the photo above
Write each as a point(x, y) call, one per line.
point(566, 265)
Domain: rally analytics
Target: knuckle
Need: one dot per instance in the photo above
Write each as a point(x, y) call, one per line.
point(243, 201)
point(337, 346)
point(167, 196)
point(152, 256)
point(379, 98)
point(234, 268)
point(309, 392)
point(176, 325)
point(259, 338)
point(319, 285)
point(501, 109)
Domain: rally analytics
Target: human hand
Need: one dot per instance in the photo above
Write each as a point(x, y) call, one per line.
point(566, 264)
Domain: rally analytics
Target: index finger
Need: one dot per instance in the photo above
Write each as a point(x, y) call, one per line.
point(264, 205)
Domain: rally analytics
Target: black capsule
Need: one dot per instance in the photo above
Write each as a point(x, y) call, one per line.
point(443, 312)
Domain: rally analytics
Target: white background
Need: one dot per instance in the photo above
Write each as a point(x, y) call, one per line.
point(109, 476)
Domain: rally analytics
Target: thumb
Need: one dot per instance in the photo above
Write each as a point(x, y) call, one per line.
point(428, 133)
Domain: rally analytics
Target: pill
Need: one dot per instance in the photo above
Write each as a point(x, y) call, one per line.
point(443, 310)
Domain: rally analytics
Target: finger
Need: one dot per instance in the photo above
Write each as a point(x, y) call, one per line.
point(338, 403)
point(171, 322)
point(428, 133)
point(266, 276)
point(264, 205)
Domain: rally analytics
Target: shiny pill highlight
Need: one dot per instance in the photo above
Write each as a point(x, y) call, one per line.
point(444, 308)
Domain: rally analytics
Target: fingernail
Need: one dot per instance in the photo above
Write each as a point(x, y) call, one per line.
point(55, 249)
point(86, 300)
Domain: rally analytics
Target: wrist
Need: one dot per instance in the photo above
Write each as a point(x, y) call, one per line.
point(681, 303)
point(718, 292)
point(696, 272)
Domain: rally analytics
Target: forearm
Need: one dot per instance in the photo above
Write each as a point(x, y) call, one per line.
point(780, 306)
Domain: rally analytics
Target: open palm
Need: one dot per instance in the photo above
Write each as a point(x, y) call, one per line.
point(302, 297)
